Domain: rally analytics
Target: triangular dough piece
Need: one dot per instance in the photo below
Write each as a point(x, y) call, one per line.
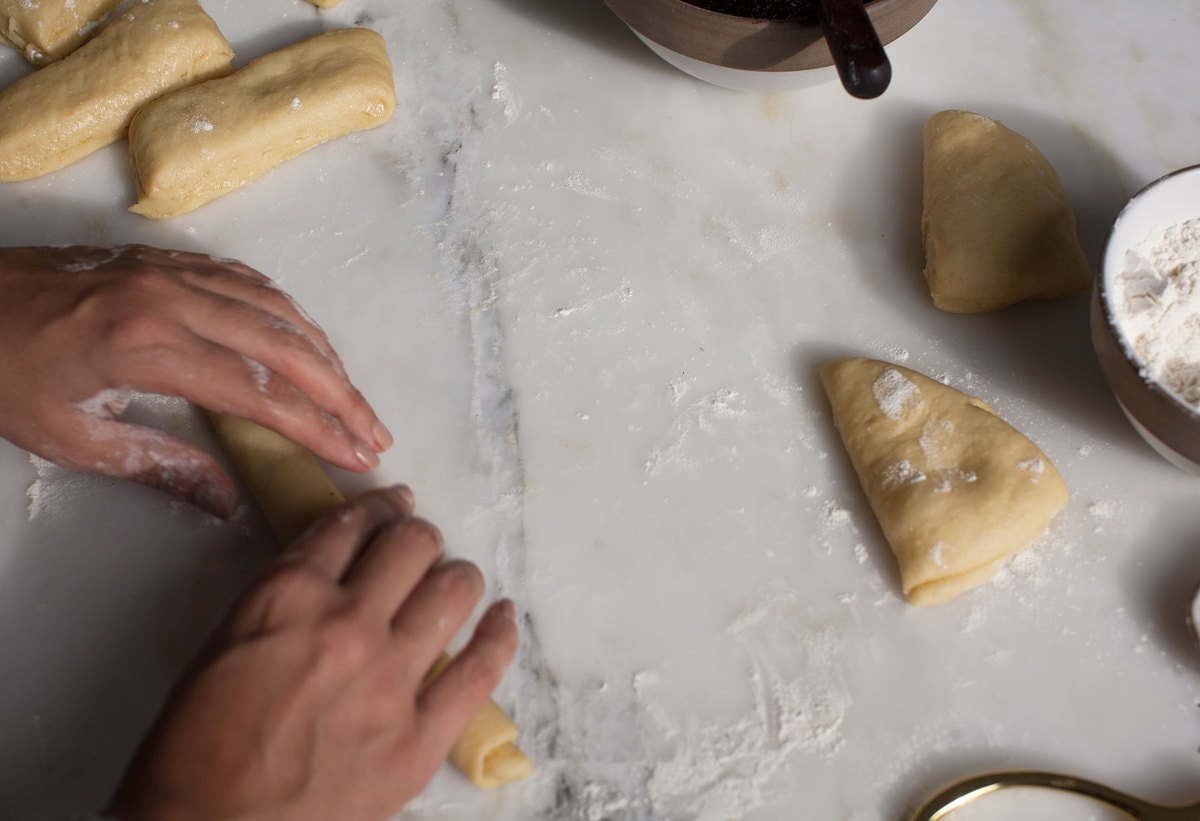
point(996, 226)
point(955, 488)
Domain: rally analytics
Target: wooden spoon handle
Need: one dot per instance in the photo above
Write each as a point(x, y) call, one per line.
point(857, 52)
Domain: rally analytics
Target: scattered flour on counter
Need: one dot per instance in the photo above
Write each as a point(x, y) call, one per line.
point(1102, 512)
point(834, 515)
point(835, 527)
point(502, 92)
point(679, 385)
point(724, 770)
point(895, 394)
point(1031, 569)
point(1155, 300)
point(709, 414)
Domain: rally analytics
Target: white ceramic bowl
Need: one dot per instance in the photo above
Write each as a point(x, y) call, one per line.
point(1168, 423)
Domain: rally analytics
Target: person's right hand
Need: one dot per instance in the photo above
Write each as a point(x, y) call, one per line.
point(83, 329)
point(310, 704)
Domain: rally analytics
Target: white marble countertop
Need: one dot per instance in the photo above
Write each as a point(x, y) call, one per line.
point(588, 293)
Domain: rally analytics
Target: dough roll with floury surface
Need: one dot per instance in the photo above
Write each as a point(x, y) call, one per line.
point(189, 148)
point(48, 30)
point(63, 112)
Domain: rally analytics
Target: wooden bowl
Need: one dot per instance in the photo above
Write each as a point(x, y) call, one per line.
point(1168, 423)
point(749, 53)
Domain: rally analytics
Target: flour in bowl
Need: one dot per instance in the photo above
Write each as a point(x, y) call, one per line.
point(1155, 301)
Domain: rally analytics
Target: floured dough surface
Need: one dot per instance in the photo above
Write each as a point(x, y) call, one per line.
point(48, 30)
point(63, 112)
point(997, 227)
point(192, 147)
point(955, 488)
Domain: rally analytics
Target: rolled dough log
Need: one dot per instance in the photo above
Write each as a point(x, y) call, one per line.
point(67, 110)
point(325, 4)
point(487, 752)
point(955, 488)
point(192, 147)
point(293, 491)
point(48, 30)
point(996, 224)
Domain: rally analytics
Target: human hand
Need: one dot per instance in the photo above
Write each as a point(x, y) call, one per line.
point(309, 706)
point(85, 328)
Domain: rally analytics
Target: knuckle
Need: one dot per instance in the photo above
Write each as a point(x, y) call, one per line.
point(289, 587)
point(138, 330)
point(128, 310)
point(342, 641)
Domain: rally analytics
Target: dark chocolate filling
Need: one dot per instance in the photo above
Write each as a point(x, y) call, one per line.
point(762, 9)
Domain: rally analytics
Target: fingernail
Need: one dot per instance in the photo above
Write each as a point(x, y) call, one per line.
point(367, 456)
point(383, 436)
point(405, 493)
point(507, 609)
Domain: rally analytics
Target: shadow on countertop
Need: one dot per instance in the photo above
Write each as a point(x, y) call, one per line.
point(102, 604)
point(1159, 593)
point(30, 215)
point(589, 21)
point(104, 599)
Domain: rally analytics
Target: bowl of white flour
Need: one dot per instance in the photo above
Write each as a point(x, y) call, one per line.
point(1146, 315)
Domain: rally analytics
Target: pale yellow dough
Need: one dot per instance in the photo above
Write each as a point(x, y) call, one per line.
point(48, 30)
point(63, 112)
point(955, 488)
point(292, 491)
point(325, 4)
point(192, 147)
point(997, 226)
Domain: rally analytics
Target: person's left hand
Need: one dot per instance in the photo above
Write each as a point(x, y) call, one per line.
point(84, 328)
